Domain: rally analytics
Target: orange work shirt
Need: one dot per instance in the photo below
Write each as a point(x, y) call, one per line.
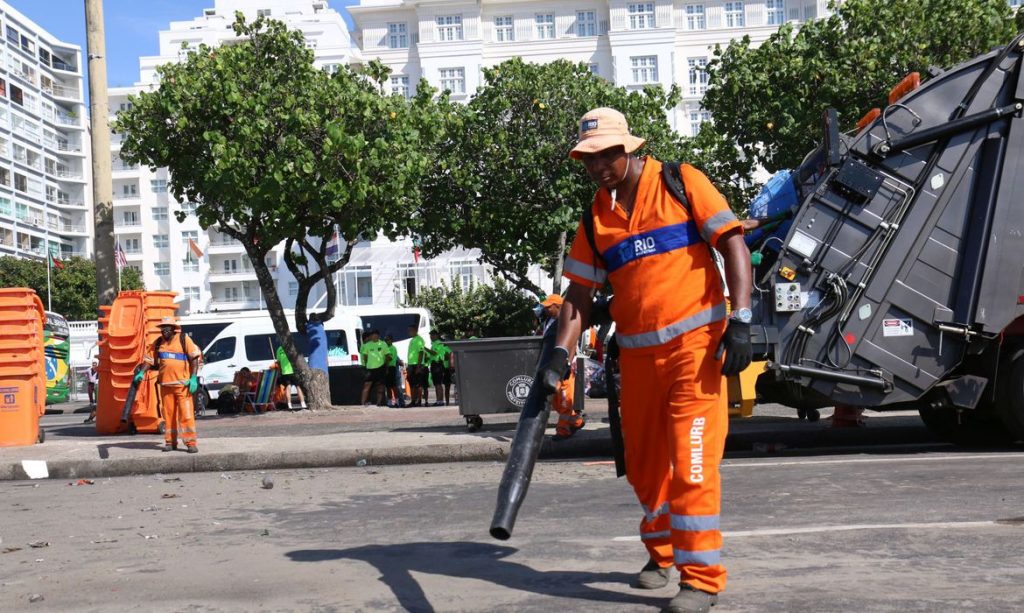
point(657, 259)
point(174, 356)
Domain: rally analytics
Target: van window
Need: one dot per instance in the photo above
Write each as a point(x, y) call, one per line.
point(396, 325)
point(202, 334)
point(337, 343)
point(224, 349)
point(259, 347)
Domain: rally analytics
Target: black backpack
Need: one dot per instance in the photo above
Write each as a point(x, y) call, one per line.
point(671, 176)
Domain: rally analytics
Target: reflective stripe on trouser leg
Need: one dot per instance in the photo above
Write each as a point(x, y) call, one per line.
point(562, 403)
point(179, 416)
point(663, 392)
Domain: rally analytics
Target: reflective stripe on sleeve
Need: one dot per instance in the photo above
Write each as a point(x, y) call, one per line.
point(715, 223)
point(712, 557)
point(589, 272)
point(669, 332)
point(695, 523)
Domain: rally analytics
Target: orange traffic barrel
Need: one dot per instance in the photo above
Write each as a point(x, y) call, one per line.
point(22, 372)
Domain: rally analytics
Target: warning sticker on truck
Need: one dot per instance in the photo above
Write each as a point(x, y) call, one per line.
point(897, 327)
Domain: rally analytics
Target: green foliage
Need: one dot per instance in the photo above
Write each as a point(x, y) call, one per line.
point(505, 184)
point(482, 311)
point(769, 99)
point(73, 288)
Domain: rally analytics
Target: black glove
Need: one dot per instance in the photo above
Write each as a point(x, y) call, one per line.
point(736, 345)
point(556, 371)
point(600, 311)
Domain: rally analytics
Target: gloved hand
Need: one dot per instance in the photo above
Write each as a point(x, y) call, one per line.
point(193, 384)
point(736, 345)
point(557, 369)
point(138, 376)
point(600, 311)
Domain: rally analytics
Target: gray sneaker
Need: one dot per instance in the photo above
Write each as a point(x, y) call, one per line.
point(652, 576)
point(691, 600)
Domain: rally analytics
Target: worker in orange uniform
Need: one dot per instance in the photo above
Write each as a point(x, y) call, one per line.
point(672, 331)
point(569, 421)
point(176, 359)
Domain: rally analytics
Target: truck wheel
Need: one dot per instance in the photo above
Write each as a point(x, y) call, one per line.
point(1010, 406)
point(971, 428)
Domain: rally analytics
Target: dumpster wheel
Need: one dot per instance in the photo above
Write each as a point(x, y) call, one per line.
point(41, 436)
point(474, 423)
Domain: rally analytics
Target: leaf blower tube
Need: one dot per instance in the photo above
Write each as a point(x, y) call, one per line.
point(525, 447)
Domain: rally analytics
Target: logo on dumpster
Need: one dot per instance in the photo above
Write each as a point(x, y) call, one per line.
point(9, 398)
point(518, 388)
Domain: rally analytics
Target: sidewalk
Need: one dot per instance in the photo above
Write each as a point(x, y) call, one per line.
point(369, 436)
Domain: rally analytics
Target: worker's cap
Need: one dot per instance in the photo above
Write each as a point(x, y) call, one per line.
point(552, 299)
point(601, 129)
point(167, 320)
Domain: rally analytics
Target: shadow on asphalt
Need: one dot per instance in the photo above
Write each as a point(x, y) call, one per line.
point(483, 561)
point(105, 448)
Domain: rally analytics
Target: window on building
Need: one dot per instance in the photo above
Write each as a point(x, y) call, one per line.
point(21, 211)
point(6, 207)
point(453, 79)
point(188, 208)
point(586, 23)
point(595, 69)
point(5, 177)
point(463, 273)
point(293, 288)
point(231, 294)
point(13, 35)
point(189, 235)
point(17, 96)
point(776, 10)
point(160, 241)
point(545, 25)
point(698, 75)
point(641, 15)
point(132, 245)
point(124, 106)
point(263, 12)
point(412, 279)
point(162, 269)
point(504, 29)
point(191, 292)
point(357, 285)
point(129, 218)
point(190, 263)
point(159, 186)
point(129, 190)
point(160, 213)
point(20, 182)
point(645, 69)
point(734, 15)
point(230, 266)
point(3, 87)
point(695, 17)
point(331, 68)
point(400, 85)
point(449, 27)
point(697, 118)
point(398, 36)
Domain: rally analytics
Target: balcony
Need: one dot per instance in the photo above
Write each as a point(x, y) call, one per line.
point(224, 276)
point(64, 226)
point(64, 255)
point(127, 226)
point(122, 167)
point(68, 174)
point(66, 119)
point(225, 247)
point(61, 144)
point(59, 64)
point(62, 91)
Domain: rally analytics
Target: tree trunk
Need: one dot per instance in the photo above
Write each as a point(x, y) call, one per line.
point(556, 282)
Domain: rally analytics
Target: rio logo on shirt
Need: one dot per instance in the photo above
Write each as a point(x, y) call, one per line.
point(644, 245)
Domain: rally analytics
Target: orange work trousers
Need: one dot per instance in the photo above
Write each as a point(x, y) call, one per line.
point(568, 419)
point(674, 420)
point(179, 415)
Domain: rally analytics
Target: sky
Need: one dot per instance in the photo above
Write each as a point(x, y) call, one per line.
point(132, 26)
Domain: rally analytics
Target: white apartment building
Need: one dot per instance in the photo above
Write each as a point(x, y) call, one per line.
point(145, 225)
point(45, 167)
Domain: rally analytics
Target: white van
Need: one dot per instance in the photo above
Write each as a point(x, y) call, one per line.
point(252, 342)
point(394, 321)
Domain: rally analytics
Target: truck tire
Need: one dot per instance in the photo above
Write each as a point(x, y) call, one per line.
point(1010, 406)
point(976, 428)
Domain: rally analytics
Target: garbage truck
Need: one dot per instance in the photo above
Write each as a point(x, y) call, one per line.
point(900, 281)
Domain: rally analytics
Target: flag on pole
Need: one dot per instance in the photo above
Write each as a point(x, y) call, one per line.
point(195, 248)
point(54, 262)
point(332, 245)
point(119, 257)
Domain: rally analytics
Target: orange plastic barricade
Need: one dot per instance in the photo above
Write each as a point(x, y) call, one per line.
point(22, 371)
point(126, 332)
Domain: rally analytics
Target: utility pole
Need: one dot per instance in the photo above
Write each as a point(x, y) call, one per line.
point(102, 186)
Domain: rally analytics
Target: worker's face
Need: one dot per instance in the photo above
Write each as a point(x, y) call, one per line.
point(607, 168)
point(167, 332)
point(553, 310)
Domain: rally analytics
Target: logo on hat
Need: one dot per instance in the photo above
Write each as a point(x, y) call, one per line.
point(588, 125)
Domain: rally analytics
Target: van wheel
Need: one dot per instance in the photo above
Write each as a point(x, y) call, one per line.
point(1010, 405)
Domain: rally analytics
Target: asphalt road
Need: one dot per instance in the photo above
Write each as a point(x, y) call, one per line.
point(923, 531)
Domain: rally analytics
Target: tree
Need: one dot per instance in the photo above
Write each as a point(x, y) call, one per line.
point(481, 311)
point(769, 99)
point(273, 150)
point(506, 185)
point(72, 288)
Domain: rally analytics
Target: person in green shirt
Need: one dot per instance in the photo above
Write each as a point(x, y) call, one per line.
point(287, 377)
point(416, 367)
point(374, 355)
point(395, 391)
point(441, 368)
